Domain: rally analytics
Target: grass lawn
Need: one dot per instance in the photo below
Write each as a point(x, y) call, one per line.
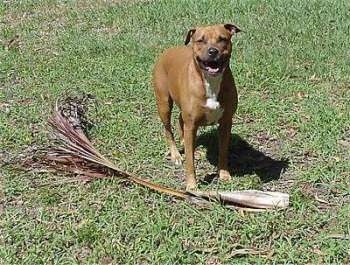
point(291, 133)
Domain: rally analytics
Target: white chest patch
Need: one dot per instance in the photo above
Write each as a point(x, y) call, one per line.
point(212, 89)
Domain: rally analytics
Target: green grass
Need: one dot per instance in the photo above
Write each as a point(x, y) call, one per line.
point(291, 66)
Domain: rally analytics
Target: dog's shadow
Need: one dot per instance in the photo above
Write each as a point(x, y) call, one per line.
point(243, 158)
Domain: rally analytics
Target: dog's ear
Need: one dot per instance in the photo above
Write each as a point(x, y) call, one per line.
point(232, 28)
point(189, 35)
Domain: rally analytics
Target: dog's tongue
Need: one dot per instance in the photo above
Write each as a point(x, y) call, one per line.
point(212, 70)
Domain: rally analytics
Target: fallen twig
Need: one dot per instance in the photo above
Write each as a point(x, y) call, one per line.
point(74, 153)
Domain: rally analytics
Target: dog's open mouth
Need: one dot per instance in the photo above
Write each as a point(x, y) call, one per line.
point(212, 67)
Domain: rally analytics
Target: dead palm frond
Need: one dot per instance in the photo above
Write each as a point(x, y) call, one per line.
point(73, 152)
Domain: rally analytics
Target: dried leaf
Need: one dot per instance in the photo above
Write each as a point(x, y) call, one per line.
point(73, 152)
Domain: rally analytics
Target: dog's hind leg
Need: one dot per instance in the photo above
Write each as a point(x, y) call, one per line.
point(180, 126)
point(165, 106)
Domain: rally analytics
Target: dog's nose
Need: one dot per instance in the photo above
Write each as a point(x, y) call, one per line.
point(212, 52)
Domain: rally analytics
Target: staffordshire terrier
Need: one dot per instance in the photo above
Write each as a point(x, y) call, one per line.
point(198, 78)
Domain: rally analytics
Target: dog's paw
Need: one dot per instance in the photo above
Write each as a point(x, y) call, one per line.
point(176, 158)
point(191, 184)
point(224, 175)
point(191, 187)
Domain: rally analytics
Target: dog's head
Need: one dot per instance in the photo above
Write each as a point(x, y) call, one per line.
point(212, 47)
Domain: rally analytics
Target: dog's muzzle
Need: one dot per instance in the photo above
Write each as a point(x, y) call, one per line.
point(212, 66)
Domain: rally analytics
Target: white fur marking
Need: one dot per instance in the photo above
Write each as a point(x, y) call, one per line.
point(212, 103)
point(212, 89)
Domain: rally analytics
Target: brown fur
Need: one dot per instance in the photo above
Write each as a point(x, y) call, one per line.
point(179, 77)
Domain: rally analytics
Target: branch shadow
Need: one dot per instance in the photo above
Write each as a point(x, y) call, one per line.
point(243, 158)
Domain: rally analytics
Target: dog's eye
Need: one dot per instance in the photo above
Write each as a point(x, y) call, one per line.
point(200, 40)
point(222, 39)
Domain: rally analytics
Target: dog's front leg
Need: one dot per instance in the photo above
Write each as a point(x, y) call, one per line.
point(190, 132)
point(224, 142)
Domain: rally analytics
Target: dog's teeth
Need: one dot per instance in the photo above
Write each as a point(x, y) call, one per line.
point(212, 70)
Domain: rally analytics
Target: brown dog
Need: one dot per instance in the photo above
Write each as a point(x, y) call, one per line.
point(198, 79)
